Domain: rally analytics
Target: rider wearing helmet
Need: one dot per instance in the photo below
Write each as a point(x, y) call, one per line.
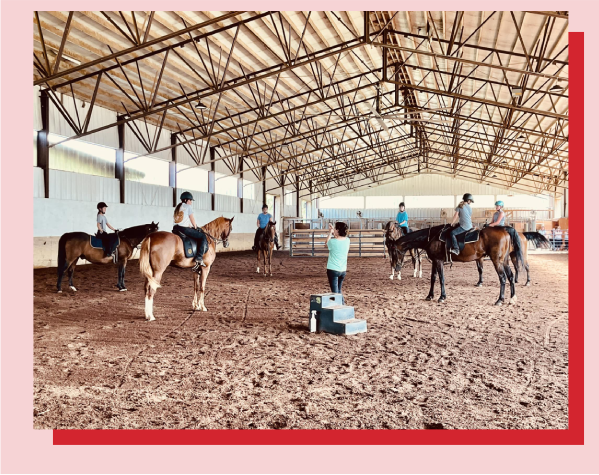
point(463, 214)
point(185, 223)
point(499, 215)
point(109, 241)
point(402, 218)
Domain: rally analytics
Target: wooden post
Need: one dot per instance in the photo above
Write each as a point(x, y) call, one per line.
point(212, 177)
point(119, 168)
point(172, 169)
point(43, 150)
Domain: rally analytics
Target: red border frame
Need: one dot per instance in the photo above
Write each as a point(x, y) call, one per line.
point(295, 451)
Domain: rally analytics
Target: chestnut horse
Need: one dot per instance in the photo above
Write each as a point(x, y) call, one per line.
point(392, 233)
point(164, 248)
point(494, 242)
point(540, 242)
point(266, 242)
point(73, 246)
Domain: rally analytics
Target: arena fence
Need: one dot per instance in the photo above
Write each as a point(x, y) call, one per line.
point(311, 243)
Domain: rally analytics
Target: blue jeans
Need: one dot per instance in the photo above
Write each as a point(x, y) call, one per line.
point(197, 234)
point(335, 280)
point(454, 232)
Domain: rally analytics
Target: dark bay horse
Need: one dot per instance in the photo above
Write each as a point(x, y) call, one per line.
point(494, 242)
point(163, 248)
point(266, 243)
point(73, 246)
point(540, 242)
point(392, 233)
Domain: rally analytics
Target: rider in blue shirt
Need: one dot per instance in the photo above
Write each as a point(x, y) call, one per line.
point(263, 219)
point(402, 218)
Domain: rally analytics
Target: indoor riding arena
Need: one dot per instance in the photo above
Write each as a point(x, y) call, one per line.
point(370, 131)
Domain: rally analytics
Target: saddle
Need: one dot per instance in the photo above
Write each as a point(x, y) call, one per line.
point(472, 235)
point(97, 243)
point(190, 245)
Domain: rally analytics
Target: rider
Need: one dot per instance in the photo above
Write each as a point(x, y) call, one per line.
point(463, 214)
point(109, 241)
point(263, 219)
point(185, 223)
point(499, 216)
point(402, 218)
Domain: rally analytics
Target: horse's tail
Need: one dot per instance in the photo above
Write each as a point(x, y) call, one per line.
point(62, 254)
point(540, 241)
point(517, 243)
point(144, 263)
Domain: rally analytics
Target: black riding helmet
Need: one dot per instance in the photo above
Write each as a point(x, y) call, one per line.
point(101, 205)
point(186, 195)
point(402, 204)
point(467, 197)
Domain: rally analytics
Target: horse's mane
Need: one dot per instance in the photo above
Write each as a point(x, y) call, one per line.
point(216, 227)
point(418, 238)
point(135, 231)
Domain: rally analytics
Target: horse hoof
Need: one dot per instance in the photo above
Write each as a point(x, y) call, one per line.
point(204, 309)
point(123, 289)
point(391, 277)
point(479, 285)
point(73, 288)
point(527, 284)
point(258, 270)
point(151, 319)
point(270, 275)
point(513, 300)
point(499, 303)
point(441, 300)
point(59, 292)
point(429, 298)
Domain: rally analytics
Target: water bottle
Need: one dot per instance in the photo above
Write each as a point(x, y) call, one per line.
point(312, 323)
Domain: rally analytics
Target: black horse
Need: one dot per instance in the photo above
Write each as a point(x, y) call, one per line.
point(73, 246)
point(392, 233)
point(495, 242)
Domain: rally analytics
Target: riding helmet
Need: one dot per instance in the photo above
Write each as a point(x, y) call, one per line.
point(499, 203)
point(101, 205)
point(402, 204)
point(467, 197)
point(186, 195)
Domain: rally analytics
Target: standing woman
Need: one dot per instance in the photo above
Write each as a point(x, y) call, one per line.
point(108, 240)
point(185, 223)
point(338, 245)
point(402, 218)
point(463, 214)
point(499, 215)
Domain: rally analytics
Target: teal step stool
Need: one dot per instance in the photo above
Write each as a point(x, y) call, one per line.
point(328, 314)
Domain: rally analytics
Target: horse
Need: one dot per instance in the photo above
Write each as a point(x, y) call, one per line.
point(494, 242)
point(540, 242)
point(392, 233)
point(73, 246)
point(163, 248)
point(266, 242)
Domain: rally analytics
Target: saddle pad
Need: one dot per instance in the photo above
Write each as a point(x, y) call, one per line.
point(95, 242)
point(190, 245)
point(462, 238)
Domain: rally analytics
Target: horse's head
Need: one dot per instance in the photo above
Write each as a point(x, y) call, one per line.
point(224, 235)
point(150, 228)
point(271, 231)
point(392, 230)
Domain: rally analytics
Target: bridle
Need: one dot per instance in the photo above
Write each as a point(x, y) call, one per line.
point(225, 241)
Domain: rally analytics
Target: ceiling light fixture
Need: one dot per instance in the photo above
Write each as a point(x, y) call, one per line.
point(516, 91)
point(201, 106)
point(557, 87)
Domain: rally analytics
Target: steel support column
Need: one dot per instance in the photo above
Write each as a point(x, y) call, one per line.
point(212, 177)
point(263, 186)
point(240, 185)
point(119, 166)
point(43, 151)
point(172, 169)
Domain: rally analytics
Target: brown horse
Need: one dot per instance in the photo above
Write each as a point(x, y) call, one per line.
point(536, 238)
point(73, 246)
point(494, 242)
point(266, 243)
point(164, 248)
point(392, 233)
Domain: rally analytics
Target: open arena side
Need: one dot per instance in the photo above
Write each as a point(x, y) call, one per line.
point(249, 362)
point(325, 117)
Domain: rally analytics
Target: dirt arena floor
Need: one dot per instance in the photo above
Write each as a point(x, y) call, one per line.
point(249, 362)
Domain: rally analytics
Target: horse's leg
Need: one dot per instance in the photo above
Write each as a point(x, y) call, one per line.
point(270, 262)
point(441, 273)
point(479, 266)
point(204, 277)
point(196, 291)
point(510, 277)
point(71, 271)
point(392, 269)
point(515, 262)
point(264, 257)
point(419, 264)
point(258, 261)
point(122, 267)
point(500, 268)
point(414, 262)
point(150, 292)
point(431, 293)
point(526, 268)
